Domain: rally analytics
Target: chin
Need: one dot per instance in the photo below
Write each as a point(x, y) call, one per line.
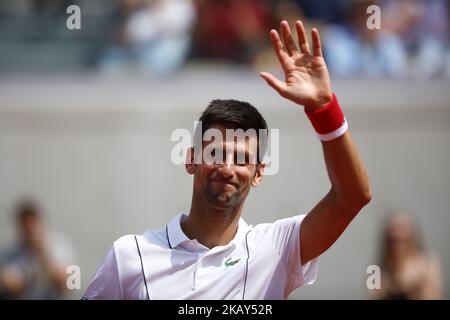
point(223, 200)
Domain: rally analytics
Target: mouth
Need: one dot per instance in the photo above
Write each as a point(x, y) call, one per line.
point(225, 183)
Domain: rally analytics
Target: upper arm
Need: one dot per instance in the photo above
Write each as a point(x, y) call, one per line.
point(284, 235)
point(322, 226)
point(105, 283)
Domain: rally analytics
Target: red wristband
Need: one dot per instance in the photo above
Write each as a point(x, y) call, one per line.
point(328, 121)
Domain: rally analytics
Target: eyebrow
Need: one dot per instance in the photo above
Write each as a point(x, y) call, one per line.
point(236, 151)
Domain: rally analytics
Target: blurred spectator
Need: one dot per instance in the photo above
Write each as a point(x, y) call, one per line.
point(158, 36)
point(231, 30)
point(423, 27)
point(330, 11)
point(353, 49)
point(154, 36)
point(36, 267)
point(408, 271)
point(27, 8)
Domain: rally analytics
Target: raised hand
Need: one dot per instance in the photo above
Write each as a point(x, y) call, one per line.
point(307, 81)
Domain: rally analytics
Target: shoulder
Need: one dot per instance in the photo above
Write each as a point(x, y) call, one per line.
point(280, 233)
point(149, 237)
point(430, 261)
point(283, 224)
point(125, 242)
point(127, 246)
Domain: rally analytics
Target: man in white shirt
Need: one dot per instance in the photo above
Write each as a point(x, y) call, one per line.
point(211, 253)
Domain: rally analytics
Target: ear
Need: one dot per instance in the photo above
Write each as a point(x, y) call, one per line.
point(257, 179)
point(190, 166)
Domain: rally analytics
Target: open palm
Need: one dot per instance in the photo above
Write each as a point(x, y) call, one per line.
point(306, 76)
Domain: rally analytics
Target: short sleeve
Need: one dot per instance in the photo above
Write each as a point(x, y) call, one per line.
point(105, 284)
point(285, 235)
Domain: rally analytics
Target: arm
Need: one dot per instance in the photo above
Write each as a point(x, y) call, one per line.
point(431, 288)
point(105, 284)
point(54, 270)
point(307, 83)
point(12, 280)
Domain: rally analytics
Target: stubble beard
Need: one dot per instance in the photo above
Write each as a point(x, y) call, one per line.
point(225, 199)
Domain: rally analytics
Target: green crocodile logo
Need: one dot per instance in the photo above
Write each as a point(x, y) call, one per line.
point(229, 263)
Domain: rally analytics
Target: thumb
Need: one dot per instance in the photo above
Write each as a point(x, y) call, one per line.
point(274, 82)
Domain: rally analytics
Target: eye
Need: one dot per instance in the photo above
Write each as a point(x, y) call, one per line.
point(215, 155)
point(241, 159)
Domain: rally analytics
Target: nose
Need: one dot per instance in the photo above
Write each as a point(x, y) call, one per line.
point(226, 170)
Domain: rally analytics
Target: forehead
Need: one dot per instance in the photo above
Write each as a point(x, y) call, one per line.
point(223, 137)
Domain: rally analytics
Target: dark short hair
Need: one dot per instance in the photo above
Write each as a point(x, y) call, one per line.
point(27, 209)
point(234, 114)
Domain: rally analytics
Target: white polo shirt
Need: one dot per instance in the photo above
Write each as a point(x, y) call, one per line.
point(261, 262)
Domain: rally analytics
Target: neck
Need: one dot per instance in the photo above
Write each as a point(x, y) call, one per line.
point(211, 225)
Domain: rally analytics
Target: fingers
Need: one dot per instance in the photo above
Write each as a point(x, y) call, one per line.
point(302, 39)
point(290, 44)
point(278, 47)
point(274, 82)
point(287, 37)
point(317, 47)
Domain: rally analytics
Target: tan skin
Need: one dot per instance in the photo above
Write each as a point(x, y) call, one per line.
point(307, 83)
point(408, 271)
point(213, 222)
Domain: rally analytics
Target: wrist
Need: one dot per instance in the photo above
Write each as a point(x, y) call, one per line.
point(328, 120)
point(318, 103)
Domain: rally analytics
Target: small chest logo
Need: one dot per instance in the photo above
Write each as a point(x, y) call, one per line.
point(229, 262)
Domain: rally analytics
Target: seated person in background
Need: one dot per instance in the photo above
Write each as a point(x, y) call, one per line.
point(35, 268)
point(408, 271)
point(153, 37)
